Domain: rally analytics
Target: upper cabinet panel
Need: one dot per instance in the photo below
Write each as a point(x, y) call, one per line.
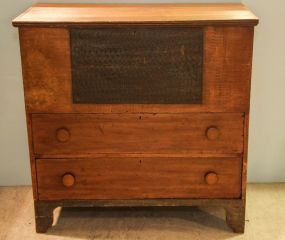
point(224, 86)
point(136, 58)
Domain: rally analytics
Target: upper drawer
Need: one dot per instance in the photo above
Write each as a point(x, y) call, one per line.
point(136, 68)
point(73, 134)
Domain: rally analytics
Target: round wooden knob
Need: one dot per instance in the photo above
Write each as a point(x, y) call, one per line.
point(211, 178)
point(212, 133)
point(62, 135)
point(68, 180)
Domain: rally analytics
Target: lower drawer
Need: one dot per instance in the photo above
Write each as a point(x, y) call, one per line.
point(138, 178)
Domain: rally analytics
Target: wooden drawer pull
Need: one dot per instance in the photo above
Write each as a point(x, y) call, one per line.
point(68, 180)
point(211, 178)
point(212, 133)
point(62, 135)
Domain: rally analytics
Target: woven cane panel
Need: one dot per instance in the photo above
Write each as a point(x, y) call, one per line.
point(137, 64)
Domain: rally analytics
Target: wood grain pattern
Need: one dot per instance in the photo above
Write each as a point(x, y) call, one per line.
point(47, 74)
point(245, 155)
point(137, 133)
point(32, 155)
point(66, 14)
point(139, 178)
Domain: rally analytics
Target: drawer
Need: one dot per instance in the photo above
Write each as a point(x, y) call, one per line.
point(73, 134)
point(138, 178)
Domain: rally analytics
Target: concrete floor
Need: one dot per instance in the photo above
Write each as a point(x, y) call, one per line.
point(265, 219)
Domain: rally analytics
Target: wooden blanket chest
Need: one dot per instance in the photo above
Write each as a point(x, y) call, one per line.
point(137, 105)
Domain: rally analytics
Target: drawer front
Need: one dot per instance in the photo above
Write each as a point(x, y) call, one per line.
point(137, 133)
point(138, 178)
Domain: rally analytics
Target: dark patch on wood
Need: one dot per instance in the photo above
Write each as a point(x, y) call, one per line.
point(43, 215)
point(137, 64)
point(235, 217)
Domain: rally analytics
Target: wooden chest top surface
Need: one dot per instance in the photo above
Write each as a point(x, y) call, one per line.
point(194, 14)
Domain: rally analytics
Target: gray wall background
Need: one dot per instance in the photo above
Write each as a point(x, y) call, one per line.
point(267, 131)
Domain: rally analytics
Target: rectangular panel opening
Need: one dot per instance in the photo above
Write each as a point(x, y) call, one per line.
point(137, 65)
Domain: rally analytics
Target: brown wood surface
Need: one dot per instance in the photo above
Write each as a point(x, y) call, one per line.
point(245, 155)
point(139, 178)
point(47, 74)
point(137, 133)
point(32, 155)
point(66, 14)
point(123, 155)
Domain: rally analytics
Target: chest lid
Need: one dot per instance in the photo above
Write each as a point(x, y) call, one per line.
point(82, 14)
